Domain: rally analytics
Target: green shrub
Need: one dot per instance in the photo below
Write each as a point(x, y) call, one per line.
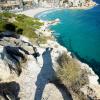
point(28, 20)
point(27, 24)
point(4, 19)
point(20, 17)
point(2, 23)
point(7, 15)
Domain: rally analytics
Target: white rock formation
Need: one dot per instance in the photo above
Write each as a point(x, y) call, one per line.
point(34, 79)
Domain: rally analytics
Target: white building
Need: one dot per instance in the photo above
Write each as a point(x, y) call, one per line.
point(9, 4)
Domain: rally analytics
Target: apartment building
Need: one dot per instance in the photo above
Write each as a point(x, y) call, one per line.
point(9, 4)
point(15, 4)
point(27, 3)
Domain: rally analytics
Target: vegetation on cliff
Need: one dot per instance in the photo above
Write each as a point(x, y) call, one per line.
point(14, 51)
point(69, 71)
point(24, 25)
point(71, 75)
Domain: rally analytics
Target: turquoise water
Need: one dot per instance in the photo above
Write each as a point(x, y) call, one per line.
point(79, 31)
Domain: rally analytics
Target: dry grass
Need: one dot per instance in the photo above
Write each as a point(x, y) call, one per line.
point(70, 73)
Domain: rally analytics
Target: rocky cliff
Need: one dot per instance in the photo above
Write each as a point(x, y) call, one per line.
point(29, 75)
point(28, 70)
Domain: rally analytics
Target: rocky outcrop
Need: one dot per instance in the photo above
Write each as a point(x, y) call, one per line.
point(33, 80)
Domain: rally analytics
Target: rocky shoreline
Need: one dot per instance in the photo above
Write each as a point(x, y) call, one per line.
point(93, 78)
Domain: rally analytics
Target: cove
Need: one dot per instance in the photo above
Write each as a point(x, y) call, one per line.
point(79, 32)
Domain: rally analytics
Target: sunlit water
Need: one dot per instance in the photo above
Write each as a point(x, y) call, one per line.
point(79, 31)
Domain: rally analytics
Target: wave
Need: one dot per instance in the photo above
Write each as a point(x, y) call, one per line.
point(43, 14)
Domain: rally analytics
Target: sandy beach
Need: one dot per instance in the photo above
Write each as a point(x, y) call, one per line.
point(33, 12)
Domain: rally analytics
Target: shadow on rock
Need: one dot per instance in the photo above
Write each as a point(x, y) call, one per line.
point(9, 91)
point(12, 56)
point(10, 31)
point(47, 75)
point(63, 89)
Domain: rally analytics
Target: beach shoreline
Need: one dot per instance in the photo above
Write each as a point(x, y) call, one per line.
point(35, 11)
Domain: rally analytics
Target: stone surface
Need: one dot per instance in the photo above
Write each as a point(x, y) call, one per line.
point(36, 74)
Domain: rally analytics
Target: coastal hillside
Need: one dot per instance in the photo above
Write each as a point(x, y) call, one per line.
point(80, 4)
point(33, 66)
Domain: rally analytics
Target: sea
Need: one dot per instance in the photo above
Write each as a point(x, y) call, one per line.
point(79, 32)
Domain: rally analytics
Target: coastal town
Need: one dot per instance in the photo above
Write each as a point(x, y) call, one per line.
point(20, 5)
point(32, 63)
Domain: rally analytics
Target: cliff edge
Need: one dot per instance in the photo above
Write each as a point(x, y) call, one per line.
point(29, 68)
